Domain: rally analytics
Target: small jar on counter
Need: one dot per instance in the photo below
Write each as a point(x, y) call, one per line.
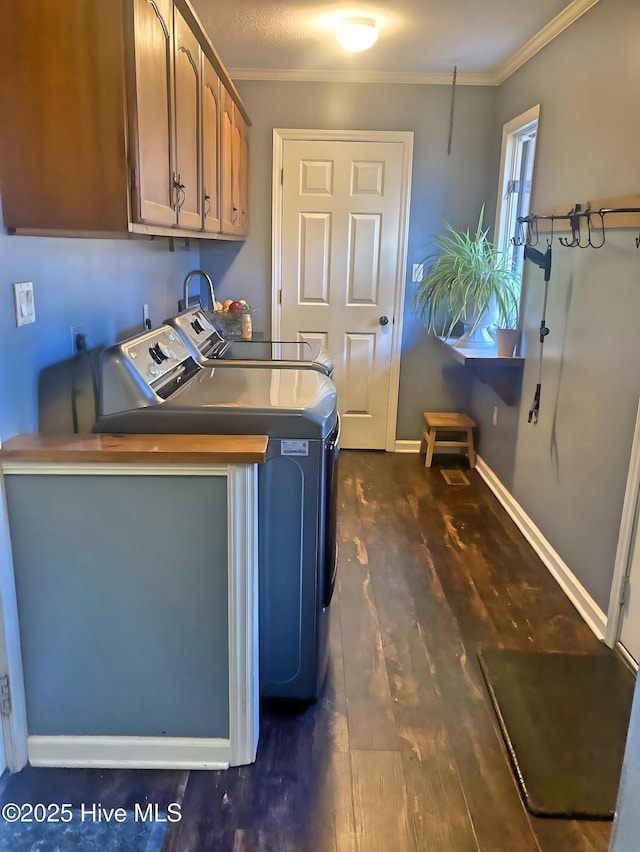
point(247, 329)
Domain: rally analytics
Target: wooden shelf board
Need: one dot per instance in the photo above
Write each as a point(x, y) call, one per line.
point(478, 354)
point(502, 374)
point(148, 449)
point(612, 220)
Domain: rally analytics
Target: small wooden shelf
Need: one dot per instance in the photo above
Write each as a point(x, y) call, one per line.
point(478, 354)
point(504, 375)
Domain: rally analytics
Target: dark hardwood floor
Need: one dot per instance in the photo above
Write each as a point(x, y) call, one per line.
point(403, 752)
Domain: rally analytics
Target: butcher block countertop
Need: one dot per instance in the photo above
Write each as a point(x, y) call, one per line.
point(151, 449)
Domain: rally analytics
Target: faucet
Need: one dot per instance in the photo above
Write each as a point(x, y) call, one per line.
point(190, 275)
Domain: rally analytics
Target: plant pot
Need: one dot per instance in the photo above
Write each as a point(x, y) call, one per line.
point(506, 341)
point(478, 336)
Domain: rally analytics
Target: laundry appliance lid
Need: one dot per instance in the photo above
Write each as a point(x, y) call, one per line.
point(300, 404)
point(198, 330)
point(268, 401)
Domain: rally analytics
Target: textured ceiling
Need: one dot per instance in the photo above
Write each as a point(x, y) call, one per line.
point(416, 36)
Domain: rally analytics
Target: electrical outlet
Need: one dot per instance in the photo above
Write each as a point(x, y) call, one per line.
point(146, 322)
point(494, 416)
point(417, 272)
point(76, 330)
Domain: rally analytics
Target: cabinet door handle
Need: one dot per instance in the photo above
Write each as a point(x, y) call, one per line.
point(207, 203)
point(180, 193)
point(234, 217)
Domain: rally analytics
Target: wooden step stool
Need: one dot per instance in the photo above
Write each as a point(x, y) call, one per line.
point(441, 421)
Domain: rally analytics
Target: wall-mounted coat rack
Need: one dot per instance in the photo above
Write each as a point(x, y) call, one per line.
point(588, 223)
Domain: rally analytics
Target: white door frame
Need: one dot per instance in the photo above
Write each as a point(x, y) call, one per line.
point(630, 510)
point(280, 136)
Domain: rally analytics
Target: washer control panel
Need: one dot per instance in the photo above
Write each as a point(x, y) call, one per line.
point(156, 355)
point(199, 333)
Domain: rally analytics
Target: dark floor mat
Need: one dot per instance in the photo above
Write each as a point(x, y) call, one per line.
point(131, 832)
point(564, 718)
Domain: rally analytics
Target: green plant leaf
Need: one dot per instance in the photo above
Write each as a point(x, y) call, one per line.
point(465, 272)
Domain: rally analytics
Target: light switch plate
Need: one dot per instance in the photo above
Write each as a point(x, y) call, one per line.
point(25, 305)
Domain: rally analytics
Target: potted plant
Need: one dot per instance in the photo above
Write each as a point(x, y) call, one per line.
point(466, 279)
point(507, 336)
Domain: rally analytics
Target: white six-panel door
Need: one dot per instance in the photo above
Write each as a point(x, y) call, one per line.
point(342, 245)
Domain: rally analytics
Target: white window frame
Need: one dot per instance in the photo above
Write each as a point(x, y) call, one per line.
point(514, 134)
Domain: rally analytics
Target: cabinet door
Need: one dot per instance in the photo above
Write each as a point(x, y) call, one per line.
point(152, 112)
point(188, 93)
point(210, 146)
point(226, 144)
point(241, 173)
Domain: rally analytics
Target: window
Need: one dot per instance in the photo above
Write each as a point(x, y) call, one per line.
point(516, 175)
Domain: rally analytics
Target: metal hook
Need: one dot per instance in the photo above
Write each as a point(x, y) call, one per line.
point(523, 237)
point(588, 242)
point(603, 235)
point(570, 243)
point(533, 229)
point(575, 216)
point(519, 238)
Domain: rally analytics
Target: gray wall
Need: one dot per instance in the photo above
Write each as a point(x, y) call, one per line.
point(101, 284)
point(569, 471)
point(453, 188)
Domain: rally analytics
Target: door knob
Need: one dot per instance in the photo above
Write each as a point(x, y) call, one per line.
point(384, 320)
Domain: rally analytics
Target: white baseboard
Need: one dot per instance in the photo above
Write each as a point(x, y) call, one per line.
point(571, 586)
point(414, 447)
point(406, 447)
point(625, 656)
point(129, 752)
point(575, 591)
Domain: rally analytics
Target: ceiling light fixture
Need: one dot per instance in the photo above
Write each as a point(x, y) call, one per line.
point(357, 33)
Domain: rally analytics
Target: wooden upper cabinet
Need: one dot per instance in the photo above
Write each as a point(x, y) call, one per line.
point(152, 113)
point(188, 103)
point(241, 156)
point(234, 164)
point(119, 118)
point(210, 146)
point(63, 152)
point(227, 212)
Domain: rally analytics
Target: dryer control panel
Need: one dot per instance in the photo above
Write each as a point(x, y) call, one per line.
point(144, 370)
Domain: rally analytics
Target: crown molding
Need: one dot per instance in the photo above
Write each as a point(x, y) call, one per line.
point(295, 75)
point(546, 35)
